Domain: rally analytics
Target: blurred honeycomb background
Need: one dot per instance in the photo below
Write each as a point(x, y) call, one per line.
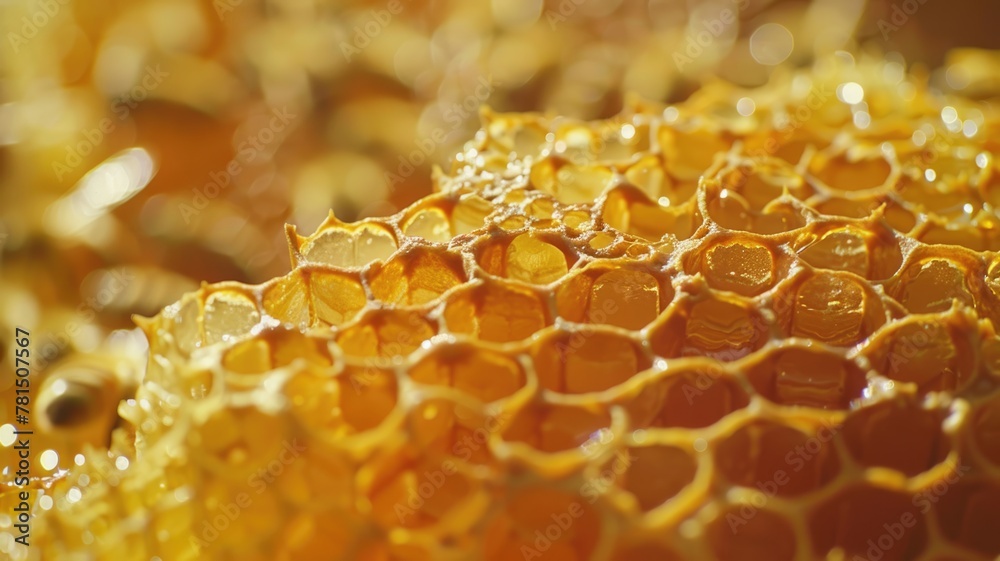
point(147, 146)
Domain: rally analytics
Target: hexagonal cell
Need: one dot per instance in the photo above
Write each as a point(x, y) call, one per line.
point(946, 233)
point(556, 428)
point(623, 296)
point(806, 376)
point(929, 282)
point(832, 307)
point(690, 152)
point(656, 473)
point(287, 299)
point(496, 310)
point(868, 521)
point(542, 521)
point(415, 276)
point(759, 186)
point(750, 533)
point(693, 394)
point(627, 210)
point(714, 325)
point(336, 297)
point(740, 264)
point(898, 217)
point(844, 173)
point(429, 221)
point(966, 509)
point(930, 196)
point(872, 253)
point(477, 372)
point(534, 258)
point(922, 351)
point(348, 245)
point(897, 434)
point(471, 212)
point(386, 333)
point(227, 315)
point(586, 360)
point(776, 459)
point(648, 176)
point(356, 400)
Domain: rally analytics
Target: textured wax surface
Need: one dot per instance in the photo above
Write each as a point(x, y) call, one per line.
point(718, 330)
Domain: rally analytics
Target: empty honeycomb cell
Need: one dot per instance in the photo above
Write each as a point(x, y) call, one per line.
point(478, 373)
point(938, 233)
point(228, 314)
point(470, 213)
point(336, 296)
point(656, 473)
point(743, 267)
point(759, 186)
point(529, 258)
point(540, 522)
point(628, 298)
point(586, 360)
point(386, 333)
point(428, 222)
point(627, 210)
point(729, 210)
point(807, 376)
point(763, 534)
point(923, 352)
point(415, 276)
point(649, 177)
point(294, 347)
point(349, 246)
point(570, 183)
point(776, 459)
point(967, 510)
point(931, 195)
point(496, 311)
point(556, 428)
point(930, 284)
point(898, 435)
point(835, 308)
point(844, 173)
point(287, 300)
point(695, 395)
point(713, 325)
point(868, 522)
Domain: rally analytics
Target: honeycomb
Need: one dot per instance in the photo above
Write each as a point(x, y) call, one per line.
point(755, 325)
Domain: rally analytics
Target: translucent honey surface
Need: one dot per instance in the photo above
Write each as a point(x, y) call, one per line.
point(690, 333)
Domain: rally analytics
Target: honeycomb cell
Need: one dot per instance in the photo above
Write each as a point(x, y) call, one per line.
point(805, 376)
point(896, 435)
point(920, 350)
point(349, 246)
point(835, 308)
point(415, 276)
point(715, 326)
point(462, 432)
point(743, 266)
point(629, 211)
point(496, 311)
point(930, 284)
point(386, 333)
point(776, 459)
point(528, 258)
point(603, 294)
point(843, 173)
point(556, 428)
point(336, 297)
point(852, 249)
point(865, 520)
point(690, 396)
point(475, 372)
point(228, 314)
point(586, 360)
point(570, 183)
point(357, 400)
point(657, 473)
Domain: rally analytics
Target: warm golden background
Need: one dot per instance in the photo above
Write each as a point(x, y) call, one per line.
point(146, 146)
